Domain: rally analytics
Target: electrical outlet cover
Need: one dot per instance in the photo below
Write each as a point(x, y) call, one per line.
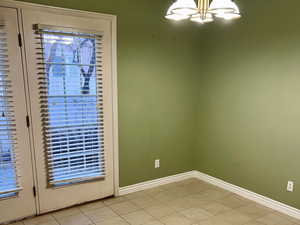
point(290, 186)
point(156, 164)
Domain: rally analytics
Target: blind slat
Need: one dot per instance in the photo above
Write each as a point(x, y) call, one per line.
point(71, 100)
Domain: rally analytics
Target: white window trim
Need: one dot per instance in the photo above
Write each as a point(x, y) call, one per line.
point(80, 13)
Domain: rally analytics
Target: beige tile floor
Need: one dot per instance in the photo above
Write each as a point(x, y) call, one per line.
point(189, 202)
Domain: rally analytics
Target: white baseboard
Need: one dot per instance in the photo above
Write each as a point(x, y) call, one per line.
point(154, 183)
point(268, 202)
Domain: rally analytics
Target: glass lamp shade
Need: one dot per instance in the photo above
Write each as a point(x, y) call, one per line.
point(173, 16)
point(176, 17)
point(223, 6)
point(229, 16)
point(185, 7)
point(198, 19)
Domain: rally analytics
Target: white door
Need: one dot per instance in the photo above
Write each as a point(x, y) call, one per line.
point(16, 180)
point(69, 75)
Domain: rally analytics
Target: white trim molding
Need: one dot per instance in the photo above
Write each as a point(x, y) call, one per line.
point(268, 202)
point(53, 9)
point(265, 201)
point(155, 183)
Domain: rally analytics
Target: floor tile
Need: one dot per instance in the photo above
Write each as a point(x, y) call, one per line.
point(178, 192)
point(17, 223)
point(138, 218)
point(153, 222)
point(78, 219)
point(41, 220)
point(179, 204)
point(288, 218)
point(193, 201)
point(49, 223)
point(169, 186)
point(254, 211)
point(114, 200)
point(91, 206)
point(66, 212)
point(99, 215)
point(112, 221)
point(234, 201)
point(163, 196)
point(144, 201)
point(176, 219)
point(135, 195)
point(253, 223)
point(234, 217)
point(216, 208)
point(160, 210)
point(211, 195)
point(124, 207)
point(213, 221)
point(189, 182)
point(197, 188)
point(153, 191)
point(274, 219)
point(196, 214)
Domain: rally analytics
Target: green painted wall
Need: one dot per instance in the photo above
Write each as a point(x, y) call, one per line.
point(249, 100)
point(155, 71)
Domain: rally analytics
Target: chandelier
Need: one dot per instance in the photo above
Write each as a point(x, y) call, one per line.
point(204, 12)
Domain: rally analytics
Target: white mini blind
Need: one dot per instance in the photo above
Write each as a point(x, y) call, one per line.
point(71, 101)
point(9, 180)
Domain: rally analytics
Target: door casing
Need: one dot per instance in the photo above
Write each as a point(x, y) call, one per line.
point(23, 203)
point(112, 19)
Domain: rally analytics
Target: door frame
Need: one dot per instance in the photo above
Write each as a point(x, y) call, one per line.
point(79, 13)
point(23, 198)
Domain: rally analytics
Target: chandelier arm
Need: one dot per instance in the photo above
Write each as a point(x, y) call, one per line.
point(203, 6)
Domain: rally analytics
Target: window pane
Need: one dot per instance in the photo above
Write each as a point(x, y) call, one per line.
point(8, 176)
point(70, 107)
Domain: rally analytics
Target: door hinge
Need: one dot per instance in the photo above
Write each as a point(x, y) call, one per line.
point(27, 121)
point(20, 39)
point(34, 191)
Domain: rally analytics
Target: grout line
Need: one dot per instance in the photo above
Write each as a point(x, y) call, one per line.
point(54, 218)
point(92, 222)
point(119, 214)
point(128, 200)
